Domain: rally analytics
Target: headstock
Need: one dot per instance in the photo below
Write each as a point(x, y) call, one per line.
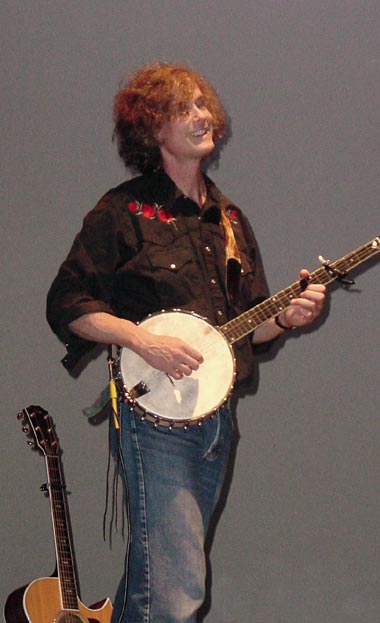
point(40, 427)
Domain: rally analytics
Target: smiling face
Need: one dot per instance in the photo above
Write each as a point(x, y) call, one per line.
point(188, 136)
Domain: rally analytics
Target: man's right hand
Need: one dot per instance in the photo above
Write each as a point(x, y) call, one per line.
point(169, 354)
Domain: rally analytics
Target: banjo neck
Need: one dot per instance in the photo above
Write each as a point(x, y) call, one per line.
point(167, 402)
point(250, 320)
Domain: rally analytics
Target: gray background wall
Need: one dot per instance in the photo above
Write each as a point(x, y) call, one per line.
point(298, 540)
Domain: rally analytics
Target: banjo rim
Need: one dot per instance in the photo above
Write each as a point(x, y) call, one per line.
point(165, 420)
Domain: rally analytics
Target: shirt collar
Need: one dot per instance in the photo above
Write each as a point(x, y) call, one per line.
point(167, 193)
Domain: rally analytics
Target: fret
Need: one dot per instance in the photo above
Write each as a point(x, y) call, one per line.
point(64, 550)
point(250, 320)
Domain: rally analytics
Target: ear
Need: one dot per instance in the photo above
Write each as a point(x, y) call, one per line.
point(159, 135)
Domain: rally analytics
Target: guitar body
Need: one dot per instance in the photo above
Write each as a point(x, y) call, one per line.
point(13, 609)
point(40, 602)
point(54, 599)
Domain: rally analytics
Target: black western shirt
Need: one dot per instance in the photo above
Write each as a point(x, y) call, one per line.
point(146, 247)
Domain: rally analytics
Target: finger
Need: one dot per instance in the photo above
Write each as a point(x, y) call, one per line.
point(177, 374)
point(315, 293)
point(182, 370)
point(313, 297)
point(303, 275)
point(304, 303)
point(193, 355)
point(188, 356)
point(187, 370)
point(185, 365)
point(315, 287)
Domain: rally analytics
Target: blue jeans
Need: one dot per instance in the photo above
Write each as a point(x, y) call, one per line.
point(173, 481)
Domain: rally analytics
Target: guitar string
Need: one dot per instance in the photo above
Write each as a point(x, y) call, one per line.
point(64, 550)
point(68, 581)
point(59, 510)
point(281, 300)
point(206, 348)
point(61, 538)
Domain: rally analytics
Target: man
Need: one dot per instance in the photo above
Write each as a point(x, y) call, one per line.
point(167, 239)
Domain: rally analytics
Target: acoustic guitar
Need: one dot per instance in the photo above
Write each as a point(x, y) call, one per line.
point(53, 599)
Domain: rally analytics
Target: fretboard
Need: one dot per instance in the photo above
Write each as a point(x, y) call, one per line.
point(62, 534)
point(250, 320)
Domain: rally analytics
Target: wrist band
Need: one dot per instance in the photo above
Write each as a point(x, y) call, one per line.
point(282, 326)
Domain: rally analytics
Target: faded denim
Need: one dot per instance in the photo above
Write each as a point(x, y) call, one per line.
point(174, 479)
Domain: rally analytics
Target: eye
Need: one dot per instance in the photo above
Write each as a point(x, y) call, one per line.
point(201, 102)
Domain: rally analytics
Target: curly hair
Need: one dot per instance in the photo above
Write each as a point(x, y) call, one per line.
point(154, 94)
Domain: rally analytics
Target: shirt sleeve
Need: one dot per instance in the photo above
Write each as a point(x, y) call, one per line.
point(257, 289)
point(84, 281)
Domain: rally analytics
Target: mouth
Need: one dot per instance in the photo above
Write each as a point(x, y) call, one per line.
point(200, 132)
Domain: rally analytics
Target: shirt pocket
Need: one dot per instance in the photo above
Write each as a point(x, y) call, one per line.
point(247, 265)
point(175, 274)
point(248, 285)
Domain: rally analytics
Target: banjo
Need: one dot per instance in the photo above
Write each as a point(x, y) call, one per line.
point(185, 402)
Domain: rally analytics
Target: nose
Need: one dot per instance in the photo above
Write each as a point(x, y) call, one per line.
point(201, 112)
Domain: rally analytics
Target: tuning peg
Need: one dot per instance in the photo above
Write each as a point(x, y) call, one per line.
point(20, 415)
point(31, 444)
point(26, 430)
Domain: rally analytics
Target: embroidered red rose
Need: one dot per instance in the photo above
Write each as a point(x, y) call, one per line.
point(133, 207)
point(165, 216)
point(151, 211)
point(148, 211)
point(233, 215)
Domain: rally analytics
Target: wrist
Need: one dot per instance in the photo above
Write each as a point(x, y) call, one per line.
point(281, 324)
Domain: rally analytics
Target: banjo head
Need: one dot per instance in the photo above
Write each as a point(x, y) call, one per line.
point(193, 397)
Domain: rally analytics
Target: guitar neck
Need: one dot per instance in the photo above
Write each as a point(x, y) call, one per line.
point(250, 320)
point(62, 533)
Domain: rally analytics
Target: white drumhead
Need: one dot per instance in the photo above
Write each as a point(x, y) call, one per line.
point(192, 397)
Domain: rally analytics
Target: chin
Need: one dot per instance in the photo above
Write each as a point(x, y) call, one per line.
point(207, 148)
